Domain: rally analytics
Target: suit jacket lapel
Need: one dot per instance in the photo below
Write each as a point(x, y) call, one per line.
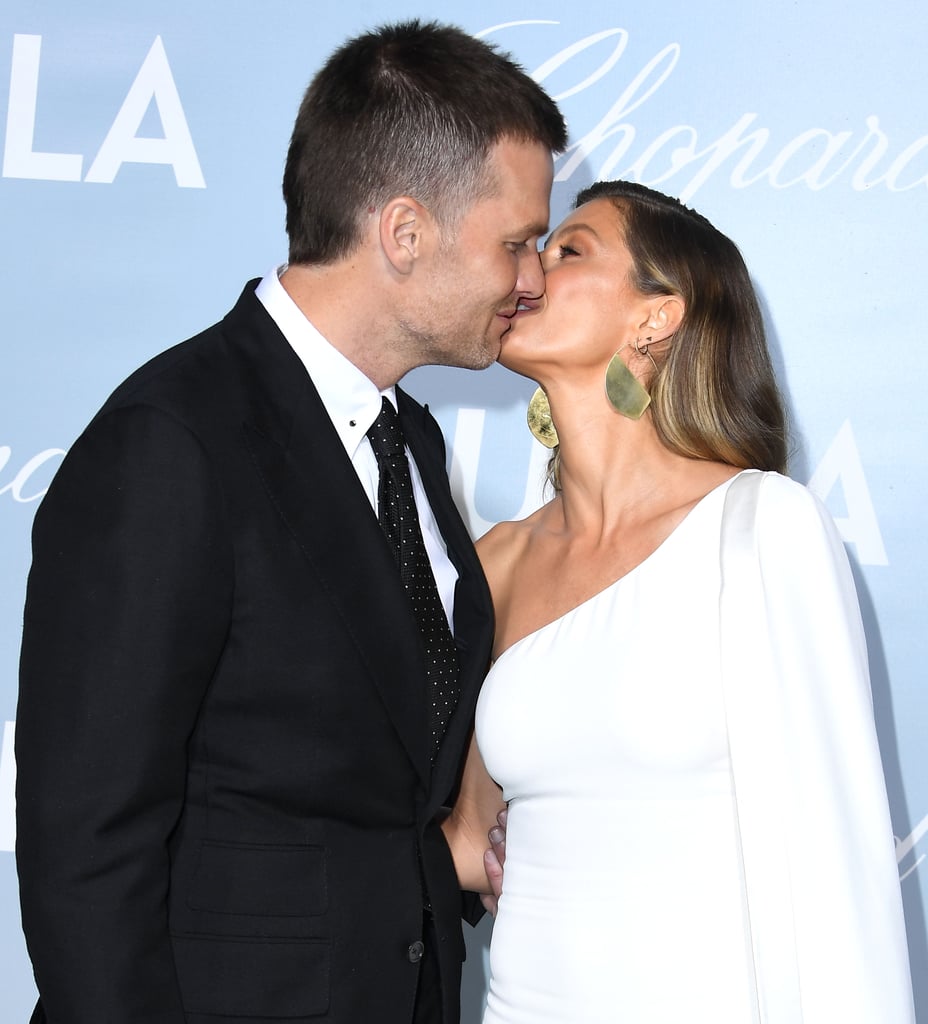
point(307, 475)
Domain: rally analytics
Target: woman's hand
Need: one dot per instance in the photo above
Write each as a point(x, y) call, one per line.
point(474, 815)
point(493, 860)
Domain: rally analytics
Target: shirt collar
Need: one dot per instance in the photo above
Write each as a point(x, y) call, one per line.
point(351, 399)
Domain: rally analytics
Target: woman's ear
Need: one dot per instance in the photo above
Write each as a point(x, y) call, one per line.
point(403, 222)
point(664, 318)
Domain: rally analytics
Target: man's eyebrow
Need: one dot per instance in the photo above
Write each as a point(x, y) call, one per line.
point(535, 230)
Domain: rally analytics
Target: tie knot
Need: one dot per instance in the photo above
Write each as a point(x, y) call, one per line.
point(386, 434)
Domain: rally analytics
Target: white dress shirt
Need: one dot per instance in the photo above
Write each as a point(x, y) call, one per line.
point(353, 402)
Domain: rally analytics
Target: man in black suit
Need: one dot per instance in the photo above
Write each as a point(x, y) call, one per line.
point(231, 761)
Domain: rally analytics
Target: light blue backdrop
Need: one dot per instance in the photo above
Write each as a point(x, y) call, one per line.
point(142, 154)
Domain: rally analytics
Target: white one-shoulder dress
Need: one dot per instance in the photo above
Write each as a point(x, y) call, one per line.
point(624, 893)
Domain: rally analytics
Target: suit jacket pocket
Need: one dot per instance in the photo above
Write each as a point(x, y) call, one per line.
point(273, 978)
point(260, 880)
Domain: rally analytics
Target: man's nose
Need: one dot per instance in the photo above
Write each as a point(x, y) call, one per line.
point(531, 274)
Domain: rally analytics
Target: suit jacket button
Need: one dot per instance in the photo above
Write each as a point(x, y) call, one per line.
point(416, 951)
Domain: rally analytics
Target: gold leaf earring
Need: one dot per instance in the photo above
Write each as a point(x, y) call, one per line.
point(539, 419)
point(623, 389)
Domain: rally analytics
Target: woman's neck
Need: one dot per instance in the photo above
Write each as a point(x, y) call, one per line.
point(614, 471)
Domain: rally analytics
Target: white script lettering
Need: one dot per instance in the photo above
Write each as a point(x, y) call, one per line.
point(816, 157)
point(17, 487)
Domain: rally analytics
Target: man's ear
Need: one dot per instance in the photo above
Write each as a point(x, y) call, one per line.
point(404, 222)
point(664, 318)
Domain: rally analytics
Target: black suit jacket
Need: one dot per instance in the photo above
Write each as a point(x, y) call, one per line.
point(226, 807)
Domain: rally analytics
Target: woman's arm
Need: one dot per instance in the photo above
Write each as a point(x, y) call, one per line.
point(474, 813)
point(821, 876)
point(480, 800)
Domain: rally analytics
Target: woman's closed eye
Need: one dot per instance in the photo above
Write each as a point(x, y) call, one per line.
point(552, 255)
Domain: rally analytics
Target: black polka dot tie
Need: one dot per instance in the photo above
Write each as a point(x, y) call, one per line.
point(400, 522)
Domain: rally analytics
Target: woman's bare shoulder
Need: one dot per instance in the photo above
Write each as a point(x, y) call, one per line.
point(498, 538)
point(502, 545)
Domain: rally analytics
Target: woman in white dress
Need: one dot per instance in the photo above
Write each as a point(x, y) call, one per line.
point(678, 714)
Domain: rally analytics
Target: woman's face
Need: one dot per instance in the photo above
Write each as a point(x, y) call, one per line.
point(590, 308)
